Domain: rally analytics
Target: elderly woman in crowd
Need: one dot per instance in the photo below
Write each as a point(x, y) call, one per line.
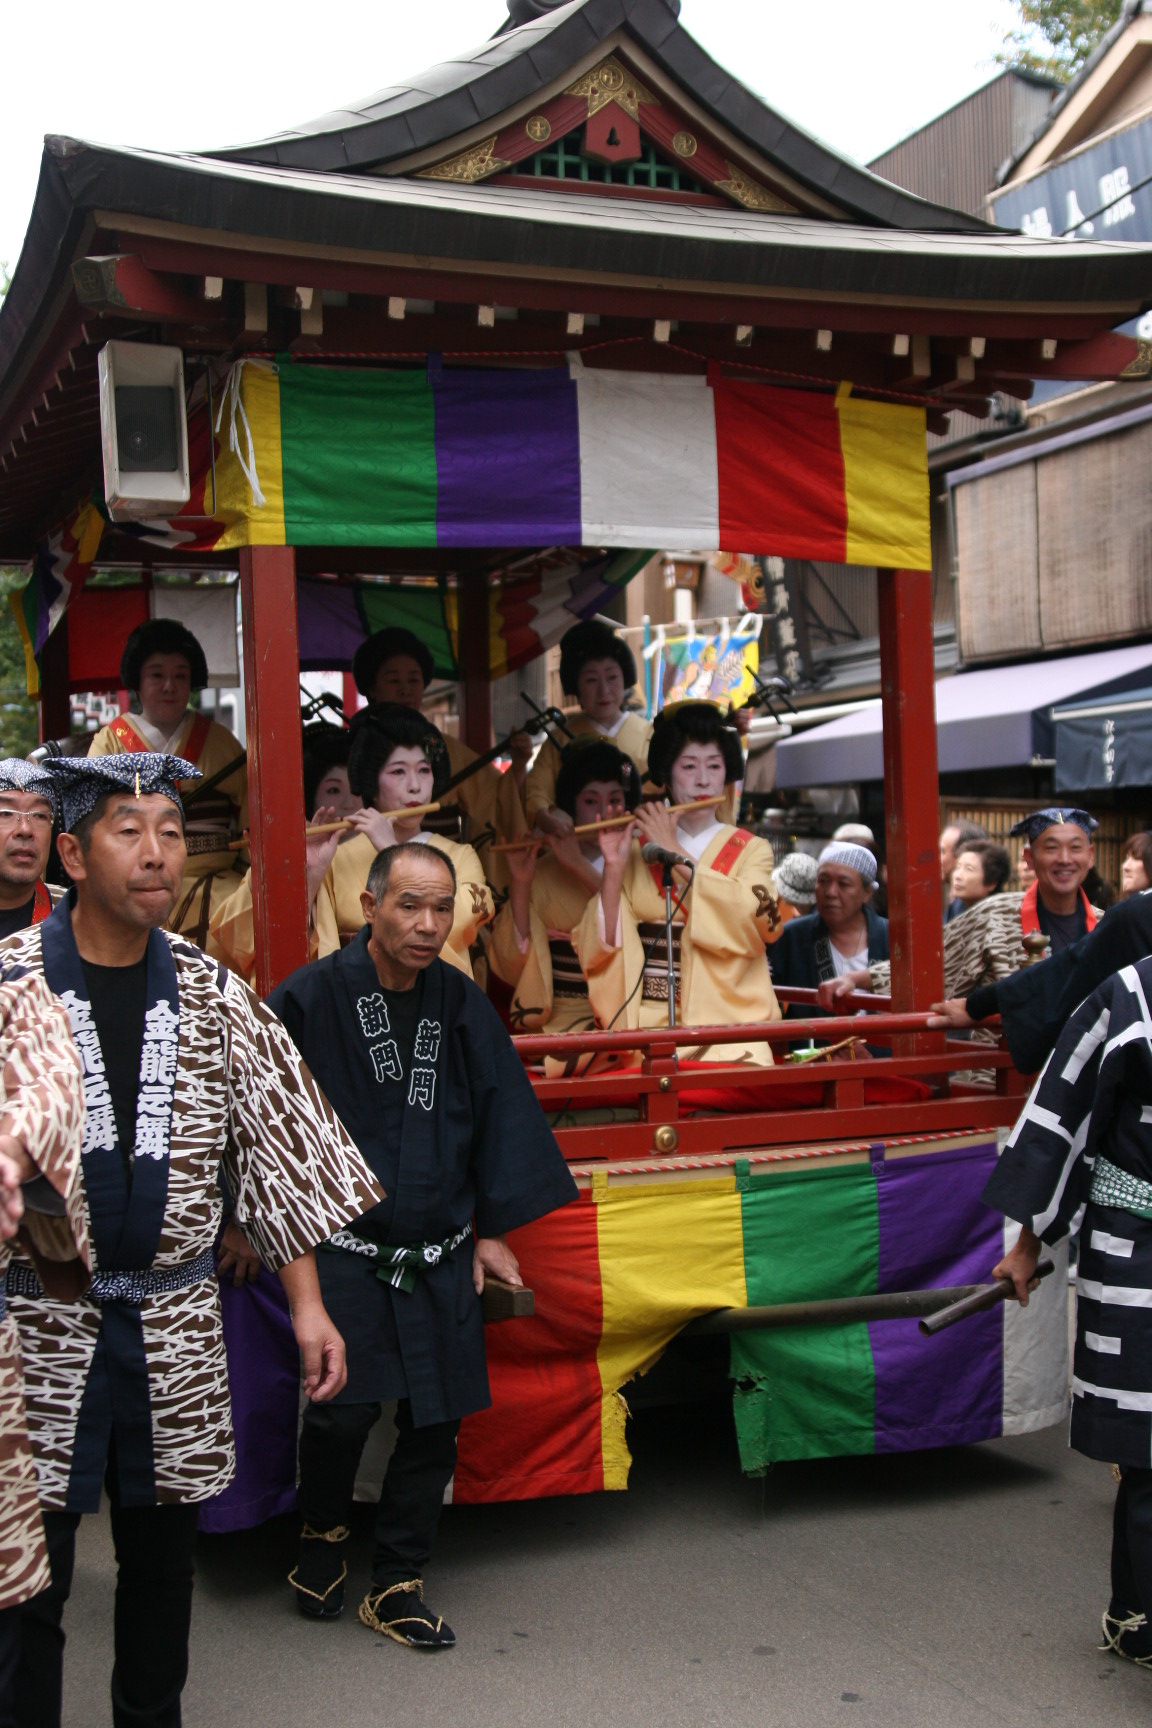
point(982, 868)
point(843, 935)
point(794, 880)
point(1136, 869)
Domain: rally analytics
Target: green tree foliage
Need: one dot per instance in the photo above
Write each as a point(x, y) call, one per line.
point(1056, 36)
point(18, 714)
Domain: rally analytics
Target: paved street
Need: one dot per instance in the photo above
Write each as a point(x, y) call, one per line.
point(957, 1589)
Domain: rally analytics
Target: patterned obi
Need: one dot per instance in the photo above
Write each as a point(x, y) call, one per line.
point(1112, 1186)
point(568, 980)
point(654, 938)
point(130, 1287)
point(208, 826)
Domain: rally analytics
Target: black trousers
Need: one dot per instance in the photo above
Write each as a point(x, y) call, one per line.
point(152, 1616)
point(331, 1443)
point(9, 1662)
point(1132, 1543)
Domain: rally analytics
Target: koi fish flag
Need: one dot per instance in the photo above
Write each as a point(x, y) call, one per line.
point(312, 455)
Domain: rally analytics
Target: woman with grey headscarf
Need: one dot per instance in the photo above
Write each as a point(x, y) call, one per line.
point(843, 935)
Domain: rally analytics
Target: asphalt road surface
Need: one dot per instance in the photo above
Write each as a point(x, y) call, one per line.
point(955, 1589)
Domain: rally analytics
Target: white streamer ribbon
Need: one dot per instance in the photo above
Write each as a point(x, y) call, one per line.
point(232, 399)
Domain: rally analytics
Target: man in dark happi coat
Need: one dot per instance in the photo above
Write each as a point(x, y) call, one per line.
point(186, 1076)
point(428, 1085)
point(1084, 1143)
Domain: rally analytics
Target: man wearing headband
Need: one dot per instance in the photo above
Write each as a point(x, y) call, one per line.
point(985, 943)
point(27, 813)
point(188, 1081)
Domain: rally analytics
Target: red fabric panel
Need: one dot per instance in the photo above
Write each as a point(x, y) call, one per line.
point(100, 620)
point(781, 471)
point(542, 1433)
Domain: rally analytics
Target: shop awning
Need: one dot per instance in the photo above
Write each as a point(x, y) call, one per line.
point(1106, 742)
point(999, 717)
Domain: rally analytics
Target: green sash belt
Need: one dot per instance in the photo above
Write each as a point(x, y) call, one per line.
point(1114, 1187)
point(396, 1266)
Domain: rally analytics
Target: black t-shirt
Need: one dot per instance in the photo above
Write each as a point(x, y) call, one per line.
point(119, 998)
point(394, 1062)
point(1061, 928)
point(14, 918)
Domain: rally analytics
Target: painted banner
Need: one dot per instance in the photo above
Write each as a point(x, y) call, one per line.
point(314, 455)
point(706, 669)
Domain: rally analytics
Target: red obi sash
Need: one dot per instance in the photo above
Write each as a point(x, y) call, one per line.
point(723, 861)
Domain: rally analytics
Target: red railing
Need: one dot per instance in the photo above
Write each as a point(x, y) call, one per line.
point(688, 1112)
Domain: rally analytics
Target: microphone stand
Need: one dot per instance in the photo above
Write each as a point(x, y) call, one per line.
point(668, 885)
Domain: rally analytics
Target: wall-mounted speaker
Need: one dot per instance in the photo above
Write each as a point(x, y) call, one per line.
point(143, 430)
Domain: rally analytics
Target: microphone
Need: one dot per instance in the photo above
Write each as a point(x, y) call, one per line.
point(653, 854)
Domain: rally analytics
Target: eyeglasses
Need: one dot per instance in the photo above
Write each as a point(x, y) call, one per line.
point(40, 821)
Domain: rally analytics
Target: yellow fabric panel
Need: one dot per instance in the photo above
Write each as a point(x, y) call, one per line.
point(250, 524)
point(885, 449)
point(667, 1253)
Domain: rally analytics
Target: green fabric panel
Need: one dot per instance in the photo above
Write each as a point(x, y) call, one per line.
point(420, 610)
point(807, 1392)
point(359, 457)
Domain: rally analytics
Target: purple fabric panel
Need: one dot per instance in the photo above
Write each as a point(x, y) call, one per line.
point(507, 459)
point(329, 623)
point(264, 1385)
point(948, 1390)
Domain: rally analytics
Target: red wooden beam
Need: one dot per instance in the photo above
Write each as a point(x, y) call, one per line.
point(275, 761)
point(470, 284)
point(121, 282)
point(472, 649)
point(911, 793)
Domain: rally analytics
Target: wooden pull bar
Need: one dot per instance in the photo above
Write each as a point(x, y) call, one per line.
point(503, 1301)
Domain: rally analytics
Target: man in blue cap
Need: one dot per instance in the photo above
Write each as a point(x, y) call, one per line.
point(186, 1076)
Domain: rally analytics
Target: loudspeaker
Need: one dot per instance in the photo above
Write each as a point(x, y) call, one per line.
point(143, 430)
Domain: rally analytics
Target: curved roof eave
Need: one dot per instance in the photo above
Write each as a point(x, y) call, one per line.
point(477, 88)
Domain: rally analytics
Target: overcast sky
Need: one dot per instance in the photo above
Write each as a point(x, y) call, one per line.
point(178, 77)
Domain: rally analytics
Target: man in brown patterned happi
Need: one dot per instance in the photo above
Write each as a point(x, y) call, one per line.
point(41, 1116)
point(186, 1075)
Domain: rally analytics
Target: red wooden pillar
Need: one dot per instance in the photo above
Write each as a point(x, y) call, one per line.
point(911, 791)
point(475, 685)
point(55, 717)
point(275, 761)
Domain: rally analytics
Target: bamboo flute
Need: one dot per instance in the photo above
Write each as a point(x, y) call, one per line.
point(608, 822)
point(336, 827)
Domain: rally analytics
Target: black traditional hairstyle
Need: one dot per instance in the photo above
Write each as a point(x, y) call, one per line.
point(385, 645)
point(325, 748)
point(591, 640)
point(692, 723)
point(161, 636)
point(595, 759)
point(386, 726)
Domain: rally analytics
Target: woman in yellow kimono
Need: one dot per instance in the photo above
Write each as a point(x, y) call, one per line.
point(728, 908)
point(163, 664)
point(327, 798)
point(531, 947)
point(395, 666)
point(598, 669)
point(397, 762)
